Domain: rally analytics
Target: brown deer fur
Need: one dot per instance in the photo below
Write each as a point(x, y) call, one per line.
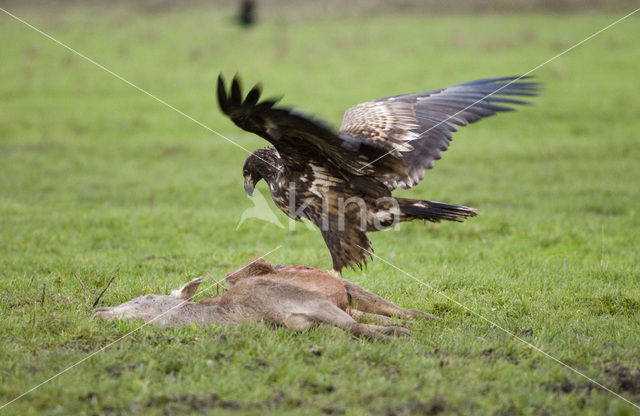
point(291, 296)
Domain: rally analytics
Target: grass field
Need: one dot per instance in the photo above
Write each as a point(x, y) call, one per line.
point(98, 178)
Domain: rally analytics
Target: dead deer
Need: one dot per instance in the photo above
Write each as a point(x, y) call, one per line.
point(292, 296)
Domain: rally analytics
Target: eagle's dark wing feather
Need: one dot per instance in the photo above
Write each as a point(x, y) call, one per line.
point(300, 139)
point(420, 125)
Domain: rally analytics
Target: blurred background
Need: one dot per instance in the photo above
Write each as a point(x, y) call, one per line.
point(283, 7)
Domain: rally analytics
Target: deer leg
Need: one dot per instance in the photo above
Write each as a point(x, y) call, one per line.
point(298, 322)
point(363, 316)
point(329, 313)
point(365, 301)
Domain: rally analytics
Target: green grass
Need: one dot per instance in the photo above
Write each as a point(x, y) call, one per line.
point(98, 177)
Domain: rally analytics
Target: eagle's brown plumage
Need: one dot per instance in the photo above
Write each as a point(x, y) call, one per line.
point(381, 145)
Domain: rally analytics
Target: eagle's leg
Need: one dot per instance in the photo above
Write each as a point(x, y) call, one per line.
point(335, 273)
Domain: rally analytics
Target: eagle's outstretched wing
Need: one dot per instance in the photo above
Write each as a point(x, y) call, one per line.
point(300, 139)
point(420, 125)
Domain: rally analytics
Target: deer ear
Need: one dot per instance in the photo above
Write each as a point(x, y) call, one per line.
point(257, 267)
point(187, 291)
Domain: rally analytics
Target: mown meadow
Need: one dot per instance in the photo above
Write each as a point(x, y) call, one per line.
point(99, 179)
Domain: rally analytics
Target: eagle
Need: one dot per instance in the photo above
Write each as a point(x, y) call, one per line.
point(343, 181)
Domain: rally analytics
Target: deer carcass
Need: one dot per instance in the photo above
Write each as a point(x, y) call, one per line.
point(291, 296)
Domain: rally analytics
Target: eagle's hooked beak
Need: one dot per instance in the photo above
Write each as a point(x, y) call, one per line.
point(248, 185)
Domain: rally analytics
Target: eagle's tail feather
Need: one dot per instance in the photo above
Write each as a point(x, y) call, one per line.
point(413, 209)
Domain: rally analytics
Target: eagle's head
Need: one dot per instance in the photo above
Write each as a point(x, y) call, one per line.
point(261, 164)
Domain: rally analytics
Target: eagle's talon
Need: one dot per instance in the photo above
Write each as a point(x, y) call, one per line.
point(335, 273)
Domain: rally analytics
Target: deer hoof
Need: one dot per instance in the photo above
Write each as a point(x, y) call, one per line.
point(415, 314)
point(398, 331)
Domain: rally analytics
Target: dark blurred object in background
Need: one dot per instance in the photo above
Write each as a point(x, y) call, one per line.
point(247, 15)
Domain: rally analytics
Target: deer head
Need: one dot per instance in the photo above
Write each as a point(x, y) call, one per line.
point(161, 310)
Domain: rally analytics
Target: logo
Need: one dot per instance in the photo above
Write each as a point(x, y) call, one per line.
point(259, 211)
point(385, 217)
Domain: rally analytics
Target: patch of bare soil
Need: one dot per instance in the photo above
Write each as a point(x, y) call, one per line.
point(625, 378)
